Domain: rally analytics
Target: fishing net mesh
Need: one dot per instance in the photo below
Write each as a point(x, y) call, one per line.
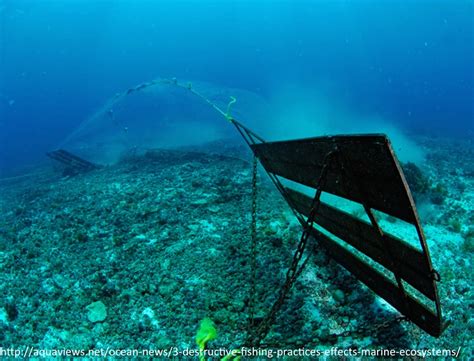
point(163, 113)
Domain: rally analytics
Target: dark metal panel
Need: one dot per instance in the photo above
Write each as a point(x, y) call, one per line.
point(75, 159)
point(71, 160)
point(364, 169)
point(382, 286)
point(413, 265)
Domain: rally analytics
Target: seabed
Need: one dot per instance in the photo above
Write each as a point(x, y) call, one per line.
point(135, 254)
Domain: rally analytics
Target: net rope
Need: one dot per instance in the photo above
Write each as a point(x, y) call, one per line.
point(162, 113)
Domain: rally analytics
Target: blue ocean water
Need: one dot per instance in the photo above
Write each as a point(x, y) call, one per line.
point(409, 62)
point(144, 252)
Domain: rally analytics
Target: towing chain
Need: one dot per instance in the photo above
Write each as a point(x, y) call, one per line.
point(368, 328)
point(253, 249)
point(361, 331)
point(255, 338)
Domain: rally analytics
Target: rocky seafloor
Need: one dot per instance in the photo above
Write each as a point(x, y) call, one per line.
point(134, 255)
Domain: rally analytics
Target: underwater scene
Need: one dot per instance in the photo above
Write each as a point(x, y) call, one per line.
point(236, 180)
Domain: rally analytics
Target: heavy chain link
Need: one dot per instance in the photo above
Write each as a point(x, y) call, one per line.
point(257, 334)
point(361, 331)
point(365, 329)
point(291, 274)
point(255, 338)
point(253, 248)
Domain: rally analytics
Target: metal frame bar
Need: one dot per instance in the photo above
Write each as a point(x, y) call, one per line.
point(421, 237)
point(250, 137)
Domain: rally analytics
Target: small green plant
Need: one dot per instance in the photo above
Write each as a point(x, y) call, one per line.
point(206, 332)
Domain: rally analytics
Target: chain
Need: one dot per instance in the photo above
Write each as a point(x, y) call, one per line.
point(255, 336)
point(365, 329)
point(291, 274)
point(361, 331)
point(253, 249)
point(293, 271)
